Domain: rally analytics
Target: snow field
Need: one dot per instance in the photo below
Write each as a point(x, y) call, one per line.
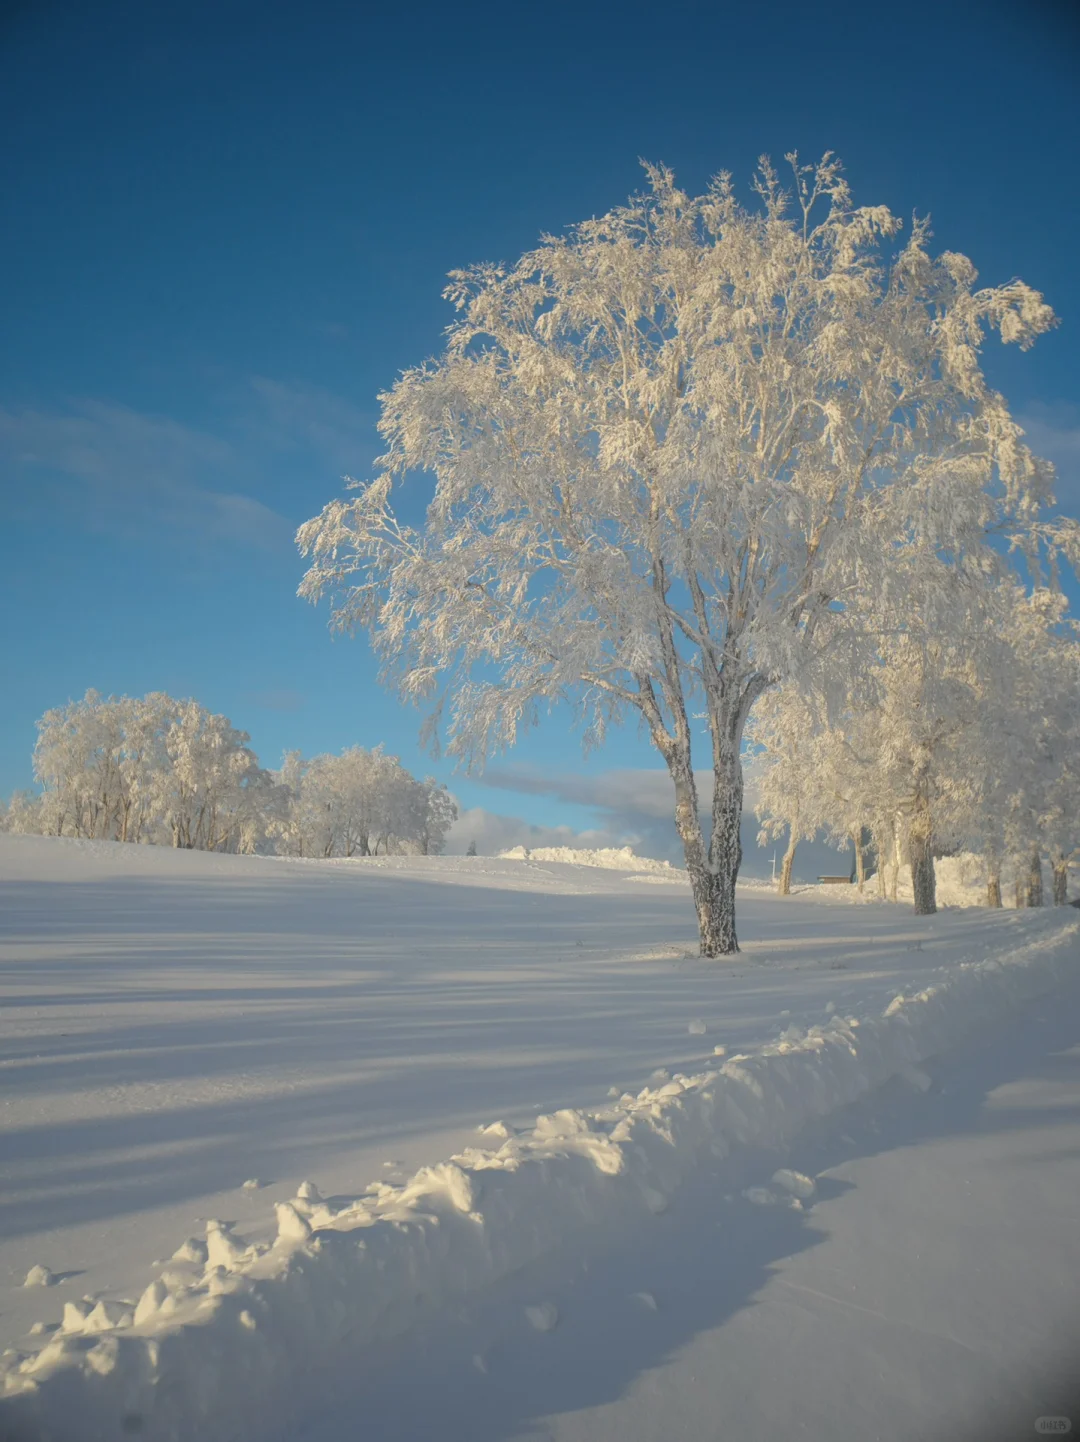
point(217, 1344)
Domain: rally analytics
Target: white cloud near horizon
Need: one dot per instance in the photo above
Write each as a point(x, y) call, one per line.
point(493, 833)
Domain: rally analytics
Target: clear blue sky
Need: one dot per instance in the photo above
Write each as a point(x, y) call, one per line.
point(226, 228)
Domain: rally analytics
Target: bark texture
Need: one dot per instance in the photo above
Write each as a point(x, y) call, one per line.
point(921, 851)
point(1034, 879)
point(1061, 882)
point(993, 888)
point(785, 869)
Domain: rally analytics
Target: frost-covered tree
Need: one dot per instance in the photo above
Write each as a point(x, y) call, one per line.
point(666, 448)
point(169, 772)
point(358, 804)
point(23, 815)
point(149, 769)
point(438, 812)
point(785, 736)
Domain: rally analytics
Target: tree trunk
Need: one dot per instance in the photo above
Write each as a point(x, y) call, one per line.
point(1020, 894)
point(920, 848)
point(894, 870)
point(860, 861)
point(785, 870)
point(1035, 879)
point(1061, 881)
point(993, 883)
point(712, 875)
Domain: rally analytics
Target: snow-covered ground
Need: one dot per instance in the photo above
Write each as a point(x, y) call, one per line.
point(177, 1023)
point(930, 1287)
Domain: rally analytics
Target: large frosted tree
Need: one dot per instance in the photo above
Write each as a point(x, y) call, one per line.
point(667, 448)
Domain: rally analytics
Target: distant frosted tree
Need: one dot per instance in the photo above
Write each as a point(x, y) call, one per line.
point(23, 815)
point(358, 804)
point(785, 734)
point(439, 812)
point(152, 769)
point(667, 449)
point(471, 849)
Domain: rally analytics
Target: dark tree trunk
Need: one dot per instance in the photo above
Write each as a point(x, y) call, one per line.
point(1035, 879)
point(1061, 881)
point(712, 873)
point(993, 889)
point(921, 850)
point(785, 869)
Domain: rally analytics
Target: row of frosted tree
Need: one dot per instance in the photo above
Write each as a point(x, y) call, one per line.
point(961, 735)
point(168, 772)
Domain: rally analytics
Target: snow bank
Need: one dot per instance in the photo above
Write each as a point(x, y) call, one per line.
point(219, 1343)
point(621, 858)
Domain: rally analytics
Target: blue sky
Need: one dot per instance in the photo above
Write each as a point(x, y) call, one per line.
point(226, 229)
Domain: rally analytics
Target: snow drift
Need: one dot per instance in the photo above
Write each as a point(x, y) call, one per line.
point(622, 858)
point(217, 1344)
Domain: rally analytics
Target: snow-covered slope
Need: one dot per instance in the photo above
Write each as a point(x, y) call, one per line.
point(183, 1023)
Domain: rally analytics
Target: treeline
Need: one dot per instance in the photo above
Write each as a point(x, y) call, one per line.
point(164, 772)
point(962, 733)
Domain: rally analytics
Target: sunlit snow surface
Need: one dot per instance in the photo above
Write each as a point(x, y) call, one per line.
point(178, 1024)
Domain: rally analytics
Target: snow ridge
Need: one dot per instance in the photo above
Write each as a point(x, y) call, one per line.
point(218, 1343)
point(622, 858)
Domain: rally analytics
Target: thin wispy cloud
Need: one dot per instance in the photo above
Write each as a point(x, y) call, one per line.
point(282, 698)
point(292, 415)
point(117, 469)
point(110, 468)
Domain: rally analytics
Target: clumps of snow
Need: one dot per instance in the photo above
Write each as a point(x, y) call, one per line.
point(797, 1184)
point(719, 1051)
point(343, 1277)
point(646, 1299)
point(544, 1317)
point(697, 1028)
point(252, 1184)
point(609, 858)
point(291, 1226)
point(39, 1276)
point(191, 1250)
